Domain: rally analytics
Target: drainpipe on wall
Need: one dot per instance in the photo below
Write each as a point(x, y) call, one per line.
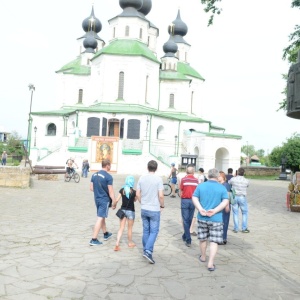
point(150, 132)
point(178, 134)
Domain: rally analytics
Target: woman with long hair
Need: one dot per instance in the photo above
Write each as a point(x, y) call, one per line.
point(226, 211)
point(128, 195)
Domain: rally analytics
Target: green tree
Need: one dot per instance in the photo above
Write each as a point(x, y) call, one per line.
point(275, 157)
point(248, 150)
point(14, 144)
point(290, 150)
point(260, 153)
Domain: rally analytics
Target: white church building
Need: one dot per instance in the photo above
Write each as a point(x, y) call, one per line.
point(119, 100)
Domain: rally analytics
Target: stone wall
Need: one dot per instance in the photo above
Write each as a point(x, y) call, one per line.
point(261, 171)
point(14, 177)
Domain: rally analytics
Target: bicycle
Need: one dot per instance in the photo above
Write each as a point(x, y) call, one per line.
point(168, 188)
point(73, 175)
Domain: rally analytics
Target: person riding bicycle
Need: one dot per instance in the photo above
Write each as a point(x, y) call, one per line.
point(70, 166)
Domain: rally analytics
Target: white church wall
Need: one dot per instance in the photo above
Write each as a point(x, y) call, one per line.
point(135, 69)
point(69, 89)
point(182, 97)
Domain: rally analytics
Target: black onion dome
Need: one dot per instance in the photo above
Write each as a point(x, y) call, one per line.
point(146, 7)
point(90, 43)
point(179, 27)
point(137, 4)
point(92, 23)
point(170, 47)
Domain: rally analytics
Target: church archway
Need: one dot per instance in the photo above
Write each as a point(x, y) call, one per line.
point(160, 133)
point(222, 159)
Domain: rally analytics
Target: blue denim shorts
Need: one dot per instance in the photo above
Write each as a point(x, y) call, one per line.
point(130, 215)
point(174, 180)
point(102, 208)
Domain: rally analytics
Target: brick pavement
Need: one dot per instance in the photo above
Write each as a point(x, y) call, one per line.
point(44, 250)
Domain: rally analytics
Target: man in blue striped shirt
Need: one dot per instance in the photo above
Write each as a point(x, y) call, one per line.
point(240, 184)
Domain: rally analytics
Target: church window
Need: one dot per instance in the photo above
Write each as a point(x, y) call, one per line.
point(160, 133)
point(121, 86)
point(114, 32)
point(80, 94)
point(51, 130)
point(93, 126)
point(104, 126)
point(133, 129)
point(146, 90)
point(122, 129)
point(148, 40)
point(127, 31)
point(171, 101)
point(141, 33)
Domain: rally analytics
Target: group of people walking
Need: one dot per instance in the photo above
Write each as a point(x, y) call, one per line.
point(209, 197)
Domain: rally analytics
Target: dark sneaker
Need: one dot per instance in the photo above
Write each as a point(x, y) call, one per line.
point(107, 235)
point(235, 231)
point(95, 242)
point(172, 196)
point(246, 231)
point(188, 244)
point(149, 257)
point(194, 233)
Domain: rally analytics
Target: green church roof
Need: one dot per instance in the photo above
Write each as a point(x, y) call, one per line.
point(74, 67)
point(187, 70)
point(129, 48)
point(172, 75)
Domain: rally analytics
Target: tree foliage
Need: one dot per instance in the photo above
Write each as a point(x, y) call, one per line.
point(290, 150)
point(210, 6)
point(13, 145)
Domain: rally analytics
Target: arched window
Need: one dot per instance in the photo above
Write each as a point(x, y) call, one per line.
point(127, 31)
point(80, 94)
point(171, 101)
point(121, 86)
point(141, 33)
point(51, 129)
point(114, 32)
point(160, 133)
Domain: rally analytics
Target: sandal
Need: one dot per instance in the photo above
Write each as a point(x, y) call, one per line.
point(117, 248)
point(201, 259)
point(131, 245)
point(212, 268)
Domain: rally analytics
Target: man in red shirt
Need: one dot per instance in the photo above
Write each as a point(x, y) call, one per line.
point(188, 185)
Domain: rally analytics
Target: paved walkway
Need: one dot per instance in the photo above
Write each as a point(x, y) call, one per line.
point(44, 250)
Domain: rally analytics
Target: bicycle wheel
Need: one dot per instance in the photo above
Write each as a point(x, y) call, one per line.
point(167, 189)
point(68, 178)
point(76, 177)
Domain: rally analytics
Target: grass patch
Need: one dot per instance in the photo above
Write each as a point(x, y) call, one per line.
point(270, 177)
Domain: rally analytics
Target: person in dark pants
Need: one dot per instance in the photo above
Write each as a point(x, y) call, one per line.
point(188, 185)
point(226, 211)
point(4, 158)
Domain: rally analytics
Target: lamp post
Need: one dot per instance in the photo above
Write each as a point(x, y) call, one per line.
point(175, 144)
point(31, 89)
point(35, 129)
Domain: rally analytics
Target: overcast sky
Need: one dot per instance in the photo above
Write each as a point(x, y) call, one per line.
point(240, 57)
